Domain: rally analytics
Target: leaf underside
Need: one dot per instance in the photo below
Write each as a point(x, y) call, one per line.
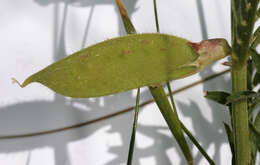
point(119, 65)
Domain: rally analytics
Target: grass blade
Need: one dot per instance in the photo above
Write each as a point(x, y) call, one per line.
point(256, 38)
point(171, 119)
point(132, 141)
point(156, 16)
point(196, 143)
point(230, 140)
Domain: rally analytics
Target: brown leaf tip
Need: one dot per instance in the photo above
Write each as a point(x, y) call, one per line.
point(121, 8)
point(14, 81)
point(209, 44)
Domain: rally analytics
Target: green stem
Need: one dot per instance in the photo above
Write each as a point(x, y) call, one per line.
point(240, 118)
point(196, 143)
point(156, 16)
point(132, 141)
point(242, 23)
point(187, 132)
point(171, 98)
point(172, 120)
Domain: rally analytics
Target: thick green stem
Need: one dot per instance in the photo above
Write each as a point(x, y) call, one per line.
point(242, 23)
point(240, 118)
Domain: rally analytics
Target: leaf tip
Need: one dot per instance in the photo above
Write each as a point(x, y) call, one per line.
point(24, 84)
point(227, 63)
point(14, 81)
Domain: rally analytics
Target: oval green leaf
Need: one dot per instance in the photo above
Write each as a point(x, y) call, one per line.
point(126, 63)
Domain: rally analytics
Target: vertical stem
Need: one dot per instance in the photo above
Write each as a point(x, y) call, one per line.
point(132, 141)
point(240, 118)
point(242, 23)
point(156, 16)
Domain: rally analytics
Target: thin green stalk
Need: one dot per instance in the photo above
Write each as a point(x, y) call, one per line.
point(242, 21)
point(187, 132)
point(175, 120)
point(196, 143)
point(156, 16)
point(171, 119)
point(132, 141)
point(171, 98)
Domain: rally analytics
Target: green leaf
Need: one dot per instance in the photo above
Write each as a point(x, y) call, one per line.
point(253, 145)
point(256, 59)
point(243, 95)
point(255, 136)
point(218, 96)
point(253, 104)
point(256, 38)
point(126, 63)
point(230, 141)
point(257, 122)
point(257, 130)
point(118, 65)
point(256, 79)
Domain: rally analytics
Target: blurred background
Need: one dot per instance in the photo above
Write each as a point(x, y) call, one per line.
point(36, 33)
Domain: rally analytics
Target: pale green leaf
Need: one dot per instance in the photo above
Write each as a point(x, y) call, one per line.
point(126, 63)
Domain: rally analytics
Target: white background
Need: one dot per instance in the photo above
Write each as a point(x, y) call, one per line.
point(36, 33)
